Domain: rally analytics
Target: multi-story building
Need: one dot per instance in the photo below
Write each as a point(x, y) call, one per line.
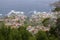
point(15, 19)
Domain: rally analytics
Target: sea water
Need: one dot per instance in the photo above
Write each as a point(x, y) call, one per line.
point(25, 5)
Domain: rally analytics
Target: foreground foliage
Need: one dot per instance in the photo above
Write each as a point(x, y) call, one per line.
point(22, 34)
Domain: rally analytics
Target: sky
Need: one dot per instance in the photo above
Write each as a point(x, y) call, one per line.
point(24, 3)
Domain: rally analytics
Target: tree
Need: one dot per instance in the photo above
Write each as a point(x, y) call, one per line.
point(41, 35)
point(57, 29)
point(52, 37)
point(25, 34)
point(49, 22)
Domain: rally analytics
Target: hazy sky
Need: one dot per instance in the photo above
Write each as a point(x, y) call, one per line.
point(22, 3)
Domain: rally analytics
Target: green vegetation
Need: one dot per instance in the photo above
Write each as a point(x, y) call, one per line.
point(56, 9)
point(15, 34)
point(46, 22)
point(22, 34)
point(41, 35)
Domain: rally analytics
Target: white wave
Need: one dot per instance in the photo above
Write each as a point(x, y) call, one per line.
point(15, 12)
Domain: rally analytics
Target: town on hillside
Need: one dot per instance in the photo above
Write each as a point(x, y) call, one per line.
point(15, 19)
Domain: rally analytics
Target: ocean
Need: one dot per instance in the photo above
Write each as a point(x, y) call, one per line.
point(25, 5)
